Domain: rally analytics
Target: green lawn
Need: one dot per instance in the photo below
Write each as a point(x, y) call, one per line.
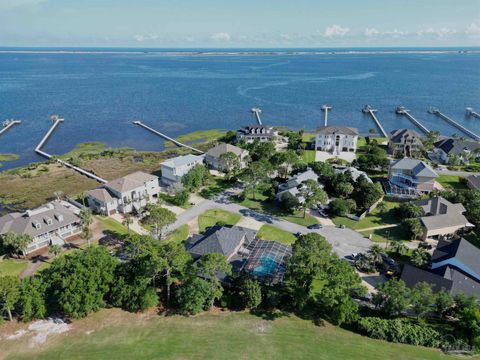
point(210, 217)
point(112, 334)
point(198, 137)
point(216, 186)
point(308, 156)
point(11, 267)
point(376, 218)
point(178, 235)
point(112, 225)
point(397, 233)
point(452, 181)
point(268, 232)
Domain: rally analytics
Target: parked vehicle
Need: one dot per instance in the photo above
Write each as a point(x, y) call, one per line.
point(314, 226)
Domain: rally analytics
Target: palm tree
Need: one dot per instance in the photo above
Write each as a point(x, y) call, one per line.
point(58, 194)
point(127, 220)
point(87, 235)
point(86, 217)
point(375, 252)
point(83, 195)
point(54, 249)
point(398, 247)
point(420, 258)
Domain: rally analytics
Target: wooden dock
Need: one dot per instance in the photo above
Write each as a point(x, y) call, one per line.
point(402, 111)
point(454, 123)
point(325, 109)
point(369, 110)
point(166, 137)
point(56, 121)
point(9, 124)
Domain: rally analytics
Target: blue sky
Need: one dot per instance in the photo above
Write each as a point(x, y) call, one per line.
point(241, 23)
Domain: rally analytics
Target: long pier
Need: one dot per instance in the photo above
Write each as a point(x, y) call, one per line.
point(472, 113)
point(454, 123)
point(166, 137)
point(367, 109)
point(9, 124)
point(402, 111)
point(56, 121)
point(257, 112)
point(325, 109)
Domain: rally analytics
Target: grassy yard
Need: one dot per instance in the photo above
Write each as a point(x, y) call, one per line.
point(112, 225)
point(179, 234)
point(216, 186)
point(11, 267)
point(376, 218)
point(210, 217)
point(452, 181)
point(397, 233)
point(308, 156)
point(113, 334)
point(268, 232)
point(200, 136)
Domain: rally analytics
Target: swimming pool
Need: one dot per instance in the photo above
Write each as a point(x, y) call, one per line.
point(267, 266)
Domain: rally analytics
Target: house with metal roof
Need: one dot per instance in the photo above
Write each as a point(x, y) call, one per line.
point(49, 224)
point(410, 177)
point(262, 133)
point(447, 148)
point(173, 169)
point(124, 195)
point(442, 218)
point(336, 139)
point(454, 268)
point(213, 156)
point(405, 143)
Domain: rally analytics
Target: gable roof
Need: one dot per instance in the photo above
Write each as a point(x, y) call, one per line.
point(334, 129)
point(438, 205)
point(398, 135)
point(101, 194)
point(456, 146)
point(474, 180)
point(417, 167)
point(412, 275)
point(130, 181)
point(182, 160)
point(461, 249)
point(24, 223)
point(224, 148)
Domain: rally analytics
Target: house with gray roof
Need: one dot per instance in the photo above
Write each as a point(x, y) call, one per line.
point(336, 139)
point(454, 268)
point(354, 172)
point(291, 186)
point(262, 133)
point(405, 143)
point(173, 169)
point(124, 195)
point(447, 148)
point(212, 157)
point(411, 175)
point(442, 218)
point(473, 182)
point(49, 224)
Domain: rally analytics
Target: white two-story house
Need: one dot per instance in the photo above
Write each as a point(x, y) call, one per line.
point(173, 169)
point(125, 194)
point(336, 139)
point(49, 224)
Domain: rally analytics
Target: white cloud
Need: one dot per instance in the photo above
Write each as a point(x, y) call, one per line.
point(14, 4)
point(371, 32)
point(335, 30)
point(395, 33)
point(441, 32)
point(473, 30)
point(221, 36)
point(145, 37)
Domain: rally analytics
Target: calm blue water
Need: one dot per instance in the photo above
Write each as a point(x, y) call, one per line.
point(100, 94)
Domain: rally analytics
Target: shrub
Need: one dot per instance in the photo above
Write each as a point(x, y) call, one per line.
point(399, 331)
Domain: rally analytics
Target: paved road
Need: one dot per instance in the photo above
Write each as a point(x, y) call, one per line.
point(445, 171)
point(344, 241)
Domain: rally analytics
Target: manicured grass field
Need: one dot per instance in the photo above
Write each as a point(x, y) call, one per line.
point(210, 217)
point(376, 218)
point(308, 156)
point(113, 334)
point(452, 182)
point(178, 235)
point(11, 267)
point(268, 232)
point(397, 233)
point(112, 225)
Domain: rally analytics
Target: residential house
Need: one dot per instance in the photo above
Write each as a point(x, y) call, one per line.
point(336, 139)
point(473, 182)
point(264, 260)
point(354, 172)
point(250, 133)
point(291, 186)
point(212, 157)
point(173, 169)
point(49, 224)
point(125, 194)
point(405, 143)
point(444, 150)
point(442, 219)
point(454, 268)
point(410, 177)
